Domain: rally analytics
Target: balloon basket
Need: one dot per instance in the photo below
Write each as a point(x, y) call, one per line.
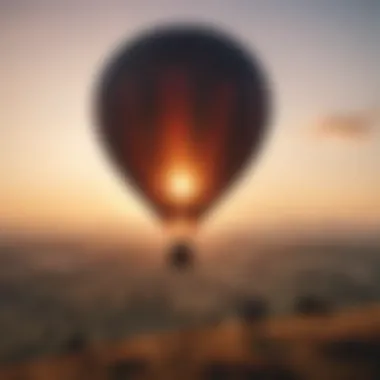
point(181, 256)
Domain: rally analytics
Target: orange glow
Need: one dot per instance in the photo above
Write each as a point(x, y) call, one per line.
point(182, 185)
point(180, 229)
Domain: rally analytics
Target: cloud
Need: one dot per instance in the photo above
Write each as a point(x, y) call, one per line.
point(350, 126)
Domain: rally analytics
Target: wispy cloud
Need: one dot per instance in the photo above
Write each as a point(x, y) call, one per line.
point(351, 126)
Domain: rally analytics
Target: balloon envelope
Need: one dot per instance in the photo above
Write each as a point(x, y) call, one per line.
point(181, 111)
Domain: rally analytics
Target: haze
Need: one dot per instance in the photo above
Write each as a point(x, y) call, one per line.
point(322, 60)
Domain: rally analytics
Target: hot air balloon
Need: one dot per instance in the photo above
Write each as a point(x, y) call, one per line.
point(181, 110)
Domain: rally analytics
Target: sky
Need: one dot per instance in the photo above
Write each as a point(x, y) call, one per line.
point(319, 166)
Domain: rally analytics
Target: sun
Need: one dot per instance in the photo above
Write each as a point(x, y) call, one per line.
point(182, 186)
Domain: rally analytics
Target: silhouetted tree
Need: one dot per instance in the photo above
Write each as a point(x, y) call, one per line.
point(253, 312)
point(311, 305)
point(253, 309)
point(76, 342)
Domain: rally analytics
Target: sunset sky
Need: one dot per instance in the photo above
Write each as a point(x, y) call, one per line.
point(321, 163)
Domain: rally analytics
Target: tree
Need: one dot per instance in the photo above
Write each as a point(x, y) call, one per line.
point(309, 305)
point(253, 309)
